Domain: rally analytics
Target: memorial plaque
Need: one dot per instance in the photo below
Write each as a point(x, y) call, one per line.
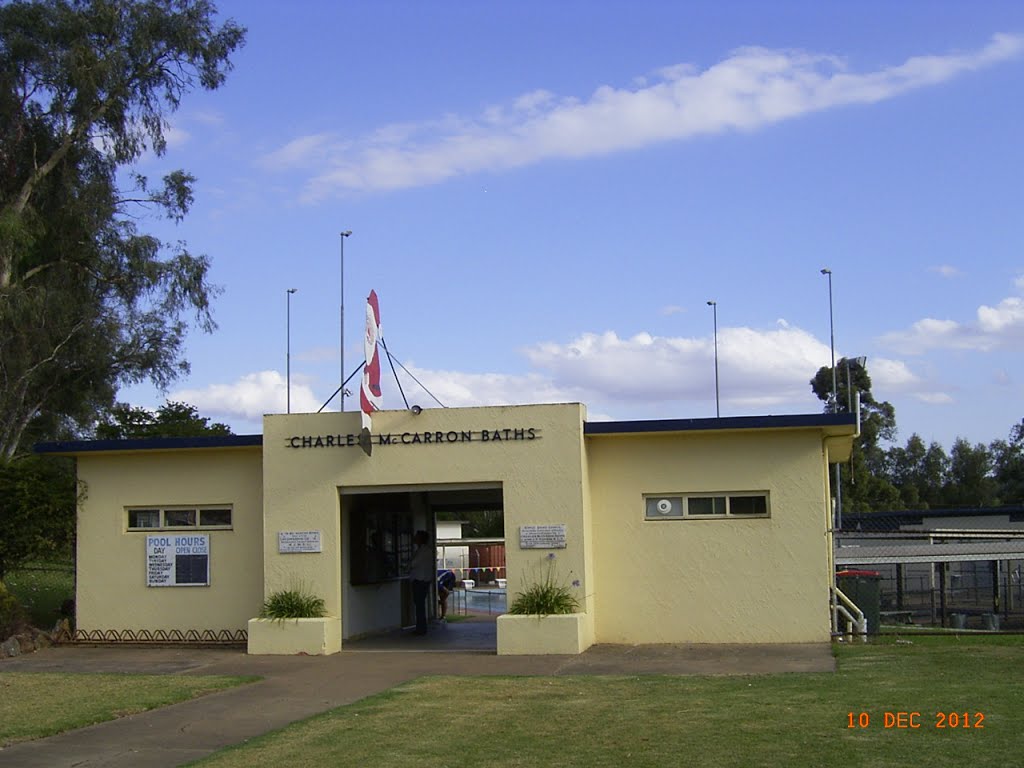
point(542, 536)
point(290, 542)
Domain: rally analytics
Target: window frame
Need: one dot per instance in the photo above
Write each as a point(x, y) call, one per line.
point(683, 499)
point(162, 525)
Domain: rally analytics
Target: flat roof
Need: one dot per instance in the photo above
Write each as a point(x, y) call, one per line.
point(150, 444)
point(841, 421)
point(795, 421)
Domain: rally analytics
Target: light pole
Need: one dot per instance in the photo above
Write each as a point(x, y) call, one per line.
point(288, 364)
point(835, 398)
point(714, 309)
point(341, 381)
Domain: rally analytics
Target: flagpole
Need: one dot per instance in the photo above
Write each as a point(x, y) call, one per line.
point(341, 334)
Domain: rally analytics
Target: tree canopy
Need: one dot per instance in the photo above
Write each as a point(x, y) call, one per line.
point(89, 303)
point(172, 419)
point(915, 476)
point(865, 486)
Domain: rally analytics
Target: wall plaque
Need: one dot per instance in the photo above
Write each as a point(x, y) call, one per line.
point(289, 542)
point(542, 536)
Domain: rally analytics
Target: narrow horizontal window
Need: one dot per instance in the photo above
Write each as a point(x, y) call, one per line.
point(705, 506)
point(174, 518)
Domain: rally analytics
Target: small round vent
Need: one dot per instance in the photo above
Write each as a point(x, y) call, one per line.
point(664, 506)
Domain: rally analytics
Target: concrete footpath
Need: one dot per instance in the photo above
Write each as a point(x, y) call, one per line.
point(296, 687)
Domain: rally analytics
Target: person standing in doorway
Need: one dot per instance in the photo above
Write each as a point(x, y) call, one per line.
point(421, 572)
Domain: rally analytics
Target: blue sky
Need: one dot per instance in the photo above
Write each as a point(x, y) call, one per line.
point(546, 195)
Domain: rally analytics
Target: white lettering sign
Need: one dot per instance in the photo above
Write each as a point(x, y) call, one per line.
point(542, 536)
point(298, 541)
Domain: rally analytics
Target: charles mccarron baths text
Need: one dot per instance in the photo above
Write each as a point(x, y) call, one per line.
point(507, 434)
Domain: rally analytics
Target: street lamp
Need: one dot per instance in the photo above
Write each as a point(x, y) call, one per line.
point(341, 381)
point(835, 398)
point(714, 309)
point(288, 333)
point(859, 362)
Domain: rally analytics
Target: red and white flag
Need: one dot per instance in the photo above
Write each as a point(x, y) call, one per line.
point(369, 390)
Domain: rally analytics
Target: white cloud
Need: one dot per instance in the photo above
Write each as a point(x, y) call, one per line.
point(643, 376)
point(934, 398)
point(251, 396)
point(752, 88)
point(945, 270)
point(891, 375)
point(175, 136)
point(992, 328)
point(457, 389)
point(209, 117)
point(304, 152)
point(1006, 316)
point(1019, 282)
point(756, 367)
point(671, 309)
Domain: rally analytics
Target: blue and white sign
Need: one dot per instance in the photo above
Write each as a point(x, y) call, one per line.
point(178, 560)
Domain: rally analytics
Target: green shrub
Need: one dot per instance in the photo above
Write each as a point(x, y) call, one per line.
point(45, 590)
point(545, 597)
point(294, 603)
point(12, 615)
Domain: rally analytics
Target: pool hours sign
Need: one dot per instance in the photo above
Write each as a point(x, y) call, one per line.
point(178, 560)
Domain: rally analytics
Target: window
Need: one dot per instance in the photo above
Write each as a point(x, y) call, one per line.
point(179, 517)
point(214, 518)
point(144, 518)
point(707, 506)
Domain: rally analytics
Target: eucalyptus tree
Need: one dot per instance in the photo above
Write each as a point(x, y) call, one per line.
point(88, 302)
point(865, 487)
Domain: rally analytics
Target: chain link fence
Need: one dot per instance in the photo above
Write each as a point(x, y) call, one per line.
point(950, 568)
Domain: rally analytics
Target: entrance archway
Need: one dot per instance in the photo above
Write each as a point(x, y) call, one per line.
point(377, 528)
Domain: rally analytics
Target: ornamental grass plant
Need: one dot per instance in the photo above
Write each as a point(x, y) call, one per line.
point(295, 603)
point(546, 596)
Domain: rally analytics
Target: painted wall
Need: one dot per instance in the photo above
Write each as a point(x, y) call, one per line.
point(111, 581)
point(710, 581)
point(541, 481)
point(451, 555)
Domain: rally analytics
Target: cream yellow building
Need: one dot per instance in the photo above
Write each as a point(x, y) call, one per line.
point(670, 531)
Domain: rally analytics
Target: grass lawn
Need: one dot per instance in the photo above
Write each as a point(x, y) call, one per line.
point(791, 720)
point(37, 704)
point(42, 588)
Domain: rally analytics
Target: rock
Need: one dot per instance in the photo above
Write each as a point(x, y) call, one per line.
point(10, 647)
point(26, 642)
point(43, 640)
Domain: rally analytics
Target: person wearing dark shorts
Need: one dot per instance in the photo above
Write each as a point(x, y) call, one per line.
point(445, 585)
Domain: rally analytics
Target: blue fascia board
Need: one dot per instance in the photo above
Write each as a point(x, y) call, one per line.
point(797, 421)
point(150, 444)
